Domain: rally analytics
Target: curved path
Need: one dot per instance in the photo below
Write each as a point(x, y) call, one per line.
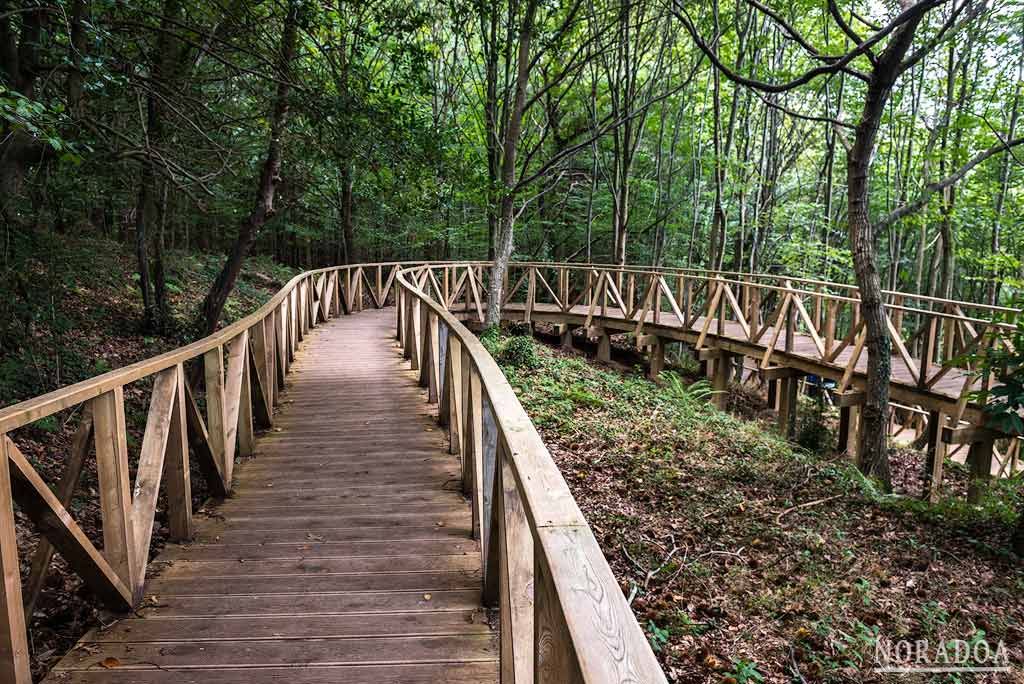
point(344, 551)
point(344, 556)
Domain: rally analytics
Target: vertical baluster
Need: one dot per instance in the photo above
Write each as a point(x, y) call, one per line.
point(554, 656)
point(472, 455)
point(216, 409)
point(14, 657)
point(177, 475)
point(451, 402)
point(114, 483)
point(928, 350)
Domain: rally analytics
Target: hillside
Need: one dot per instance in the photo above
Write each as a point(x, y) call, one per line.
point(747, 558)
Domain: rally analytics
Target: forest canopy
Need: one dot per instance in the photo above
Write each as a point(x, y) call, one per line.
point(150, 121)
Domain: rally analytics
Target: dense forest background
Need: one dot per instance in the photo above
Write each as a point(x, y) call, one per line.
point(877, 144)
point(149, 122)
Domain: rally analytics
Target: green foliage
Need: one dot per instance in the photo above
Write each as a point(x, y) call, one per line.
point(657, 636)
point(519, 352)
point(745, 672)
point(1005, 400)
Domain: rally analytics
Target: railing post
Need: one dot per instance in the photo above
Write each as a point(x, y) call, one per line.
point(928, 351)
point(216, 410)
point(14, 657)
point(554, 655)
point(114, 484)
point(177, 476)
point(473, 447)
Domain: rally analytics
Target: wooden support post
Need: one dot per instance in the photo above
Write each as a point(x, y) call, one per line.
point(216, 408)
point(853, 440)
point(604, 346)
point(246, 435)
point(656, 358)
point(849, 403)
point(473, 443)
point(935, 456)
point(721, 378)
point(844, 428)
point(14, 659)
point(979, 458)
point(773, 395)
point(788, 406)
point(566, 334)
point(177, 475)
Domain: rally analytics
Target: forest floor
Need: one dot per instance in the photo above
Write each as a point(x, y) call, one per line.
point(751, 560)
point(74, 311)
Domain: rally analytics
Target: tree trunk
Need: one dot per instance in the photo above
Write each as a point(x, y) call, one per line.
point(874, 432)
point(263, 210)
point(348, 225)
point(142, 248)
point(506, 218)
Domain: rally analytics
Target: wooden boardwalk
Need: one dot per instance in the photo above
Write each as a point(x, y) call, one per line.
point(345, 555)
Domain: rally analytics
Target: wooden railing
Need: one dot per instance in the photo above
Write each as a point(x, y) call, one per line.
point(563, 616)
point(237, 372)
point(930, 336)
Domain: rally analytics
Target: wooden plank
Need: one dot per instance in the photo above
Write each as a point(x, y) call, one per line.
point(282, 652)
point(420, 623)
point(516, 582)
point(184, 569)
point(299, 584)
point(392, 673)
point(14, 654)
point(304, 550)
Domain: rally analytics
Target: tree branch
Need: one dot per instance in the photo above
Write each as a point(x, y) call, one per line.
point(925, 196)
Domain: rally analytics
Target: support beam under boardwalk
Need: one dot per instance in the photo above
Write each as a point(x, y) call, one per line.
point(344, 557)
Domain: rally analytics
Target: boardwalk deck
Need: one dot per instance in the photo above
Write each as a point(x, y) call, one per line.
point(947, 390)
point(344, 557)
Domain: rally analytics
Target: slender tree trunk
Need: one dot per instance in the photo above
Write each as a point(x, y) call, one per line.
point(142, 247)
point(874, 432)
point(503, 251)
point(213, 305)
point(348, 225)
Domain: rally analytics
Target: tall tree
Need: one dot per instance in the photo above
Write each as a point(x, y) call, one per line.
point(270, 176)
point(880, 58)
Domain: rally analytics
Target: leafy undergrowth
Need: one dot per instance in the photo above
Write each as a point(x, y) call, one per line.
point(748, 560)
point(73, 311)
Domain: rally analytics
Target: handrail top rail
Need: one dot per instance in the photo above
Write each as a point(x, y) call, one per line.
point(712, 273)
